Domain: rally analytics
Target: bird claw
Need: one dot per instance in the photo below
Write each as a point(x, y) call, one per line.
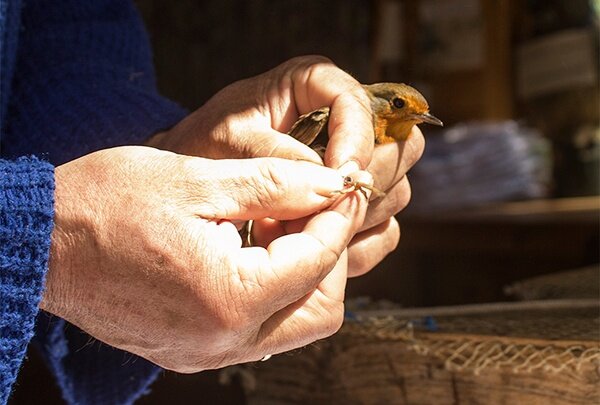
point(351, 185)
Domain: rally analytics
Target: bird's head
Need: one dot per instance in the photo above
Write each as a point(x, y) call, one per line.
point(397, 107)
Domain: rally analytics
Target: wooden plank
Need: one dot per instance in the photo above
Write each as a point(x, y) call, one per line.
point(478, 309)
point(385, 372)
point(575, 209)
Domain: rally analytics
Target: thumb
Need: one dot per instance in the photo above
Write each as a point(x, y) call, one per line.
point(243, 189)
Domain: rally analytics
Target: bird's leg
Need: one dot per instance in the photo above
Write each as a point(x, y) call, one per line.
point(246, 234)
point(351, 185)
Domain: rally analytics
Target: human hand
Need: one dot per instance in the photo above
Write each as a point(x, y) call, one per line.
point(145, 255)
point(380, 231)
point(250, 118)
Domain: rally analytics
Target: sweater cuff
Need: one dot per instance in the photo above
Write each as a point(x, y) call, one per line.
point(26, 221)
point(89, 371)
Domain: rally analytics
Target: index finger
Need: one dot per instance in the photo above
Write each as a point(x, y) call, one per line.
point(317, 83)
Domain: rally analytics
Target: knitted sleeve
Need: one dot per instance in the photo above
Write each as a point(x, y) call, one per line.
point(26, 212)
point(84, 81)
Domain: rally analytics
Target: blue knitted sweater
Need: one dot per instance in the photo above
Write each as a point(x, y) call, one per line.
point(75, 76)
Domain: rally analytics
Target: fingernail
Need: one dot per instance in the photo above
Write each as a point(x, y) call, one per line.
point(348, 168)
point(323, 180)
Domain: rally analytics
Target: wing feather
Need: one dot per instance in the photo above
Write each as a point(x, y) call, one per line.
point(310, 125)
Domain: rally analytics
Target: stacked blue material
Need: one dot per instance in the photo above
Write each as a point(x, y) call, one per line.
point(479, 163)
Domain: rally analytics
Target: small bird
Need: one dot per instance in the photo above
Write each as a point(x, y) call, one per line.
point(396, 107)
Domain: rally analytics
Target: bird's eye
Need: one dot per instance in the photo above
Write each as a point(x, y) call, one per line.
point(398, 102)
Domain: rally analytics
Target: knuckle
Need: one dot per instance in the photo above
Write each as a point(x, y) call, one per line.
point(230, 122)
point(313, 59)
point(301, 68)
point(358, 92)
point(330, 319)
point(271, 184)
point(364, 102)
point(224, 314)
point(356, 96)
point(319, 69)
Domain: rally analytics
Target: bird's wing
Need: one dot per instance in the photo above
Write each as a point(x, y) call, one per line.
point(310, 125)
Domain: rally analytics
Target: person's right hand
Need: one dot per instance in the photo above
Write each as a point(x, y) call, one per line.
point(146, 258)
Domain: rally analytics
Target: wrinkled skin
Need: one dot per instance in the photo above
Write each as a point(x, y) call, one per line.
point(250, 118)
point(145, 256)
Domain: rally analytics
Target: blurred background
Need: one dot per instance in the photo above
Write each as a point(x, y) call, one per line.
point(506, 192)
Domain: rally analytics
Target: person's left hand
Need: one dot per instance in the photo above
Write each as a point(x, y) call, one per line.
point(250, 118)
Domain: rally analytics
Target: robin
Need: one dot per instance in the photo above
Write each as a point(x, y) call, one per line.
point(396, 107)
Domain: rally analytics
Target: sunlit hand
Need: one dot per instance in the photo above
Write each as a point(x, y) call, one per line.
point(250, 118)
point(145, 256)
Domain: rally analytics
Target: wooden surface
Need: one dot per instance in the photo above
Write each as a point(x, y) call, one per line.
point(486, 308)
point(469, 257)
point(387, 372)
point(576, 209)
point(544, 352)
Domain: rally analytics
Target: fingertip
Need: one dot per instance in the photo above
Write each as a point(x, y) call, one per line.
point(322, 180)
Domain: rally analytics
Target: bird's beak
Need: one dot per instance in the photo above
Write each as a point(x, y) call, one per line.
point(430, 119)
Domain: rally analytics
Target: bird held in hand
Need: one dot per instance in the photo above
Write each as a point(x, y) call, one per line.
point(396, 107)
